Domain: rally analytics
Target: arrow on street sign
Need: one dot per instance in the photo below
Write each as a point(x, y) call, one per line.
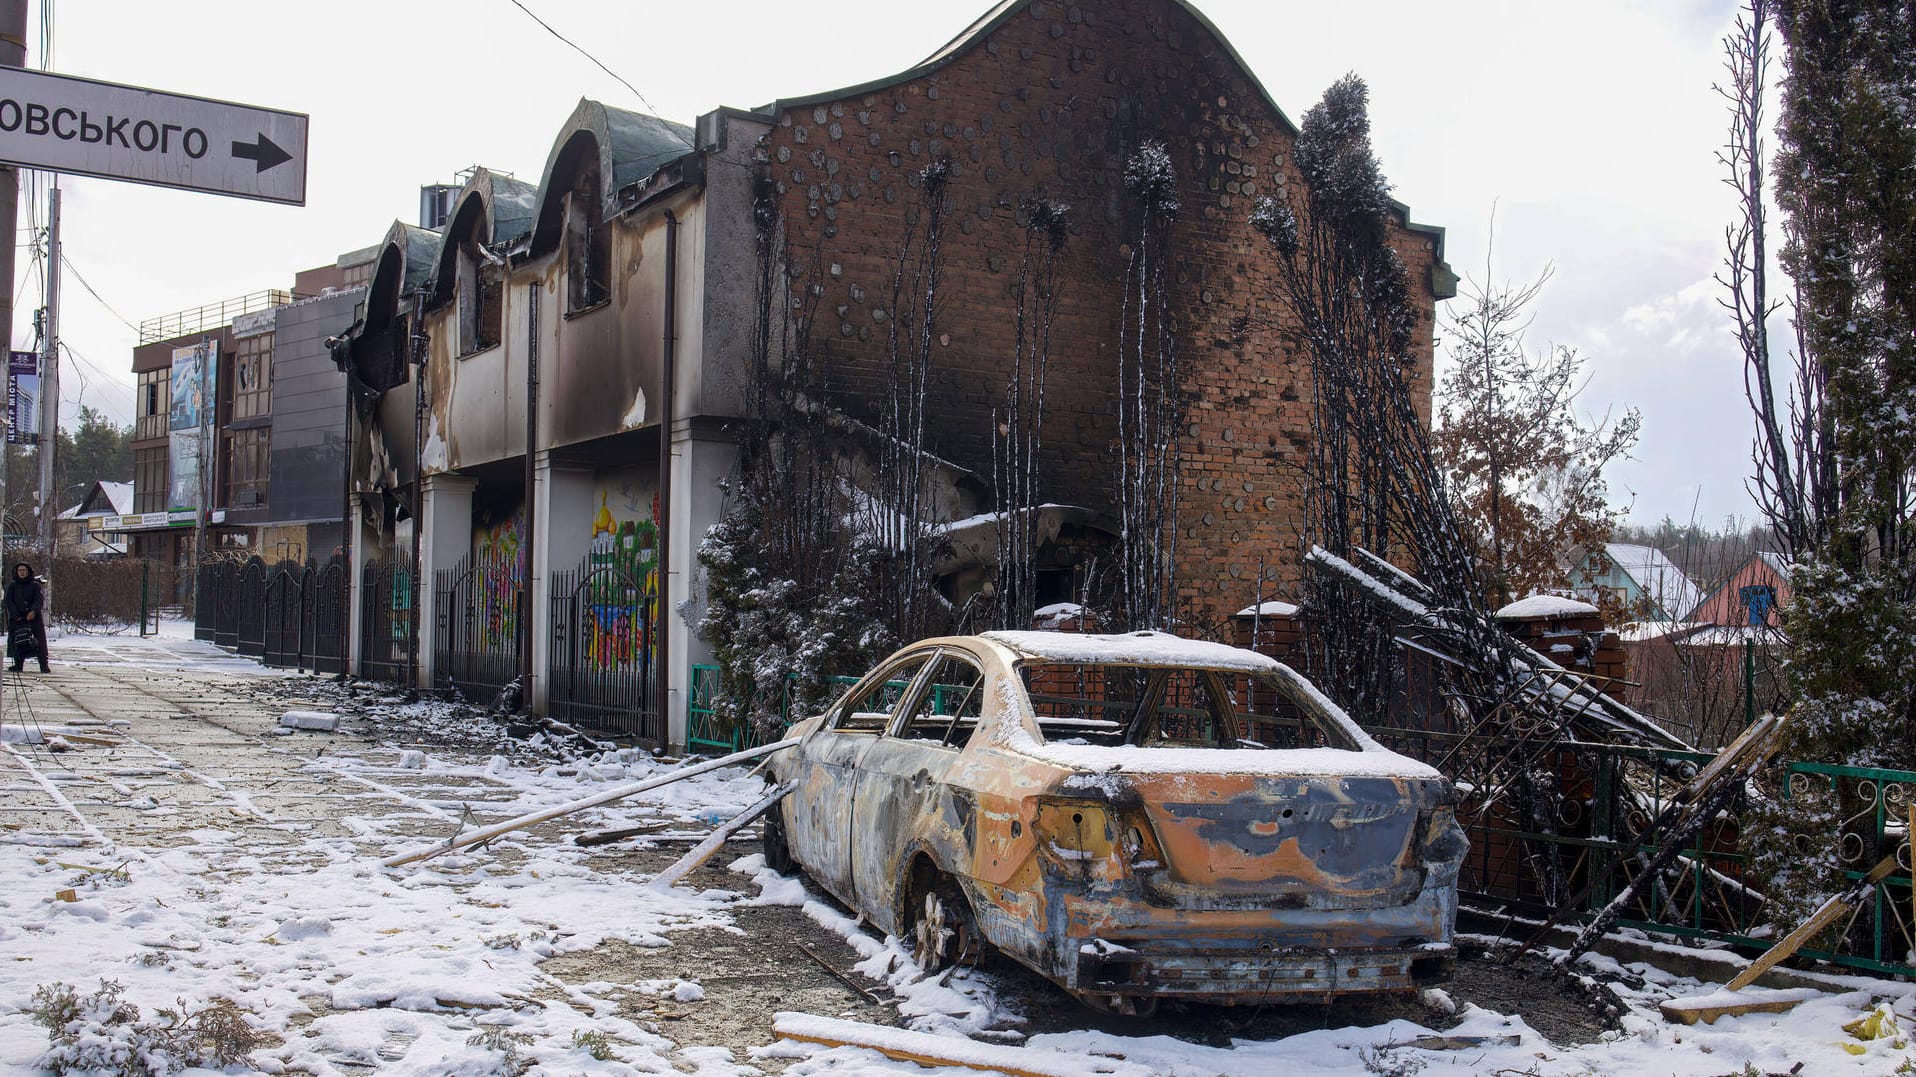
point(65, 124)
point(264, 153)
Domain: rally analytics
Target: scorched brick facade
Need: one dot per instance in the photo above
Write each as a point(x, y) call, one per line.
point(1049, 100)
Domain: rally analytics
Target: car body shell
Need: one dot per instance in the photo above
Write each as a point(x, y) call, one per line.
point(1226, 875)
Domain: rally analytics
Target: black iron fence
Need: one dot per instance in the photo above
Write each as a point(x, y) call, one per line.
point(386, 620)
point(601, 665)
point(287, 614)
point(477, 637)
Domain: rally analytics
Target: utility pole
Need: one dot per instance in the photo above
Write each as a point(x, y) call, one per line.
point(50, 385)
point(13, 53)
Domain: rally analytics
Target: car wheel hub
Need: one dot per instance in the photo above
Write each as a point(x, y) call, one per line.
point(937, 927)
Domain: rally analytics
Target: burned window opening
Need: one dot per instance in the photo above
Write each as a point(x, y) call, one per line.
point(481, 298)
point(588, 243)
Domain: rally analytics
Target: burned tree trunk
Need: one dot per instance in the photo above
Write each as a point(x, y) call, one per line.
point(1018, 424)
point(1150, 403)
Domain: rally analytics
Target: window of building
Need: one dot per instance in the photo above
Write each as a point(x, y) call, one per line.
point(149, 478)
point(150, 402)
point(588, 244)
point(253, 377)
point(245, 467)
point(481, 288)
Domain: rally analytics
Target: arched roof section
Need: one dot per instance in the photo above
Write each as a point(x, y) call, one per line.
point(500, 207)
point(626, 147)
point(407, 258)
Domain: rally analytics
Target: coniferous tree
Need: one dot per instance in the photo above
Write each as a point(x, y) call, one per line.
point(1846, 183)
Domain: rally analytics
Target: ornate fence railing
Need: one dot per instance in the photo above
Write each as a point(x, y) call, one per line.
point(250, 596)
point(287, 614)
point(386, 620)
point(476, 632)
point(600, 670)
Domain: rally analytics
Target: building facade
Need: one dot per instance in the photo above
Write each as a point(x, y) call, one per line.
point(554, 380)
point(239, 425)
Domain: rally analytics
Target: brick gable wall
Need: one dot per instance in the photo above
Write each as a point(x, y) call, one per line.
point(1051, 104)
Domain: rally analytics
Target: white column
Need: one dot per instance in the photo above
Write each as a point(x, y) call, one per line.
point(563, 506)
point(363, 537)
point(697, 467)
point(447, 537)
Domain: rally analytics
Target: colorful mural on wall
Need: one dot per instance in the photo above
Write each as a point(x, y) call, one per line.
point(620, 591)
point(499, 563)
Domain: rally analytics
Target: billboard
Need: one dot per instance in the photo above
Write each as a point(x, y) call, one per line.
point(189, 414)
point(183, 469)
point(23, 398)
point(195, 372)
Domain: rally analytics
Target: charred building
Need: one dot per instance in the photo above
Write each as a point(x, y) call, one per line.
point(547, 389)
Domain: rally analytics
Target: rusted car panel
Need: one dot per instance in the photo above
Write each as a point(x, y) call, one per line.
point(1124, 874)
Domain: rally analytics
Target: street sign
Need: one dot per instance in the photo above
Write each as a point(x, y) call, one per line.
point(65, 124)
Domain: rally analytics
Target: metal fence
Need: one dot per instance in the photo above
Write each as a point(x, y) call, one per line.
point(288, 614)
point(600, 669)
point(250, 596)
point(477, 635)
point(386, 621)
point(705, 729)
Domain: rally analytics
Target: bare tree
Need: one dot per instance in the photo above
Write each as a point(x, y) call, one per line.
point(1150, 401)
point(1525, 471)
point(1018, 424)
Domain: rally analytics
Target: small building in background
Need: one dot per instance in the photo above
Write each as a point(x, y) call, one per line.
point(1753, 596)
point(90, 528)
point(1639, 581)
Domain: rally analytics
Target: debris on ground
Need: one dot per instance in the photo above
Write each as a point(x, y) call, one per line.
point(310, 721)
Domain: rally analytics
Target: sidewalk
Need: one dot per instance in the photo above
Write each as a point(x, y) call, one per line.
point(165, 834)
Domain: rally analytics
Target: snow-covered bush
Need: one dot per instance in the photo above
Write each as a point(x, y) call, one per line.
point(778, 639)
point(103, 1033)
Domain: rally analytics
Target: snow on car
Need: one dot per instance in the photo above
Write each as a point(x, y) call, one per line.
point(1132, 816)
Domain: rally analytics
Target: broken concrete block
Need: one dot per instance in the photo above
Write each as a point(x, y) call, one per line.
point(314, 721)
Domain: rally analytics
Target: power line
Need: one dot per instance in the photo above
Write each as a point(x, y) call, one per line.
point(581, 51)
point(68, 262)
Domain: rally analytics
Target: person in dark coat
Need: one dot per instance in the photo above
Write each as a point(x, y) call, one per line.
point(26, 606)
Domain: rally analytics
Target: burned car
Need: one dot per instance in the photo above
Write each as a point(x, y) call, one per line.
point(1134, 817)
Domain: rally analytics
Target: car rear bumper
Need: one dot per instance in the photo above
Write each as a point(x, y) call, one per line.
point(1253, 975)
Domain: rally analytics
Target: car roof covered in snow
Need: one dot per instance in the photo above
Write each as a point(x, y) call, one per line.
point(1130, 649)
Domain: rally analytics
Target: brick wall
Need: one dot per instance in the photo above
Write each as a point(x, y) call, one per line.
point(1052, 102)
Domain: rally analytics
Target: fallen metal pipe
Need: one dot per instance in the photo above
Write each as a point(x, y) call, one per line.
point(485, 834)
point(703, 851)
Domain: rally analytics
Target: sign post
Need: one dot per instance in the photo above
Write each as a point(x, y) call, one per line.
point(60, 123)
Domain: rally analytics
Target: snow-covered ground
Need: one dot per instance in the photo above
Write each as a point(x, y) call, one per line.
point(210, 856)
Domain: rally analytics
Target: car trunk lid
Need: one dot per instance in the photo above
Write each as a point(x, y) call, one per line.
point(1272, 841)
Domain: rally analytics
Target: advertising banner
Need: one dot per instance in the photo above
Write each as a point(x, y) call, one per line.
point(183, 467)
point(23, 398)
point(195, 372)
point(189, 414)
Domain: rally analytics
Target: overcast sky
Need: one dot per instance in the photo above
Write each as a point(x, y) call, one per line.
point(1589, 127)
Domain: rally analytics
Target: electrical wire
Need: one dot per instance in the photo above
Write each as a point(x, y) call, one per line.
point(68, 262)
point(576, 47)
